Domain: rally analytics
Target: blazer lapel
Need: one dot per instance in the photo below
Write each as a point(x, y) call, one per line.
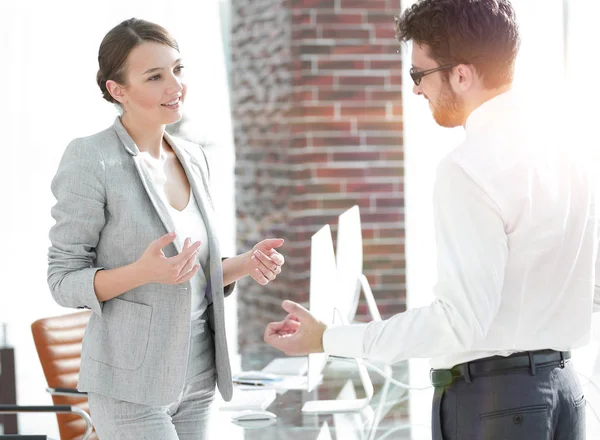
point(155, 198)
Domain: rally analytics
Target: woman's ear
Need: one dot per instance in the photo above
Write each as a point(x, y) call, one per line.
point(116, 90)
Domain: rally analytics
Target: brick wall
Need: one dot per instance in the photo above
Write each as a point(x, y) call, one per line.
point(316, 97)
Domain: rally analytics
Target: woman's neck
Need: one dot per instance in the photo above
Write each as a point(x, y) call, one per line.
point(147, 137)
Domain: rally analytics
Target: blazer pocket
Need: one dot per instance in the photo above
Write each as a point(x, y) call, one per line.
point(122, 334)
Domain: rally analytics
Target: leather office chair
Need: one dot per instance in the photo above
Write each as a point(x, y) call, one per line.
point(58, 343)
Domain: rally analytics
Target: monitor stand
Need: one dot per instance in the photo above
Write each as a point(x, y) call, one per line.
point(338, 406)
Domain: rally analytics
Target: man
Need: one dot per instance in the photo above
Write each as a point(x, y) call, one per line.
point(517, 238)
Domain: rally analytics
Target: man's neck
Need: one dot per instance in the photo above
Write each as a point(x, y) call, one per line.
point(482, 97)
point(147, 137)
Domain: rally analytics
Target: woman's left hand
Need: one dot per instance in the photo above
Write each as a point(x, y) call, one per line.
point(264, 262)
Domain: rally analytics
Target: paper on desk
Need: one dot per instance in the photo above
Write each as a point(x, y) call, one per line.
point(281, 386)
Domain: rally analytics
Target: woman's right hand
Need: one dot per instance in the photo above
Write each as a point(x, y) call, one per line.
point(155, 267)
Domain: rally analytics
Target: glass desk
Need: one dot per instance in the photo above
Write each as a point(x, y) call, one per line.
point(386, 417)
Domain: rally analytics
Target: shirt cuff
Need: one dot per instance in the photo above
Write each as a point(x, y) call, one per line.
point(345, 340)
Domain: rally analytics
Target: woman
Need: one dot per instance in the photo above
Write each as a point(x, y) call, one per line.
point(135, 242)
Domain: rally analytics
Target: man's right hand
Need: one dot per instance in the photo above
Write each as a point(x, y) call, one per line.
point(155, 267)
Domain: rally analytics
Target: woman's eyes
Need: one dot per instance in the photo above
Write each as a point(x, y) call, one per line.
point(177, 69)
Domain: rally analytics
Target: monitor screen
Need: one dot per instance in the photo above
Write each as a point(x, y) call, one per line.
point(349, 258)
point(323, 285)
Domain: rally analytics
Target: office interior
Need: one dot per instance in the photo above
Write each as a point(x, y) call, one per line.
point(49, 52)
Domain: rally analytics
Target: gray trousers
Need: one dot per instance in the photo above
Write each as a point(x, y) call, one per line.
point(518, 405)
point(184, 419)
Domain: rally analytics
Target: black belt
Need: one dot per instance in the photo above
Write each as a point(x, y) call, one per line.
point(526, 360)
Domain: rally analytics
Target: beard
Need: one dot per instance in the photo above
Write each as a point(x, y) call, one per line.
point(448, 110)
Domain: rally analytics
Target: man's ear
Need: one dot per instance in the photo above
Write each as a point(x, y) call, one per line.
point(463, 77)
point(116, 90)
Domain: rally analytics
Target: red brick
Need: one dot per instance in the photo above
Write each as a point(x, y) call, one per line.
point(393, 155)
point(393, 261)
point(303, 174)
point(305, 34)
point(380, 126)
point(323, 173)
point(389, 202)
point(395, 78)
point(301, 17)
point(384, 171)
point(393, 63)
point(302, 127)
point(363, 4)
point(319, 188)
point(356, 49)
point(303, 205)
point(324, 111)
point(365, 187)
point(299, 142)
point(381, 18)
point(382, 249)
point(345, 33)
point(390, 233)
point(335, 18)
point(342, 95)
point(314, 49)
point(356, 156)
point(394, 5)
point(313, 4)
point(309, 158)
point(344, 204)
point(363, 111)
point(389, 217)
point(303, 95)
point(313, 220)
point(303, 79)
point(301, 65)
point(361, 80)
point(383, 140)
point(368, 233)
point(336, 141)
point(385, 95)
point(340, 65)
point(386, 31)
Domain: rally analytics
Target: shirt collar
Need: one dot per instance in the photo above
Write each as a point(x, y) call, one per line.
point(491, 110)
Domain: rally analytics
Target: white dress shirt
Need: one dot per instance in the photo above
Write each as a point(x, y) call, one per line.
point(517, 239)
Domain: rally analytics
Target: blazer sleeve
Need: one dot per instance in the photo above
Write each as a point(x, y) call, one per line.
point(79, 189)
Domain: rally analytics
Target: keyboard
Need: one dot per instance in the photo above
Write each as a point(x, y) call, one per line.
point(249, 399)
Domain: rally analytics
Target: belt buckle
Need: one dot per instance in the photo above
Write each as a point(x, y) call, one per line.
point(440, 378)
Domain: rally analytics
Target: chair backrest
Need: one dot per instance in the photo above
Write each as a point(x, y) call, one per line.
point(58, 343)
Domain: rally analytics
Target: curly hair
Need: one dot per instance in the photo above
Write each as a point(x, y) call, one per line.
point(481, 33)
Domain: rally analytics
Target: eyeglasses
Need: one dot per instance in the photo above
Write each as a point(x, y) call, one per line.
point(417, 75)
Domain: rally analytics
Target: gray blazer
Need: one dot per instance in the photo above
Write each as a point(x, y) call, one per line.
point(108, 211)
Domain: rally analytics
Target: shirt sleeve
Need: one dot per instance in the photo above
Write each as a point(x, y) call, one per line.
point(79, 214)
point(472, 253)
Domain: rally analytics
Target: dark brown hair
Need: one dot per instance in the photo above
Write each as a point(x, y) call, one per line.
point(482, 33)
point(118, 44)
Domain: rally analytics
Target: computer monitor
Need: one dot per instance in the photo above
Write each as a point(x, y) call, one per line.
point(349, 260)
point(327, 305)
point(323, 278)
